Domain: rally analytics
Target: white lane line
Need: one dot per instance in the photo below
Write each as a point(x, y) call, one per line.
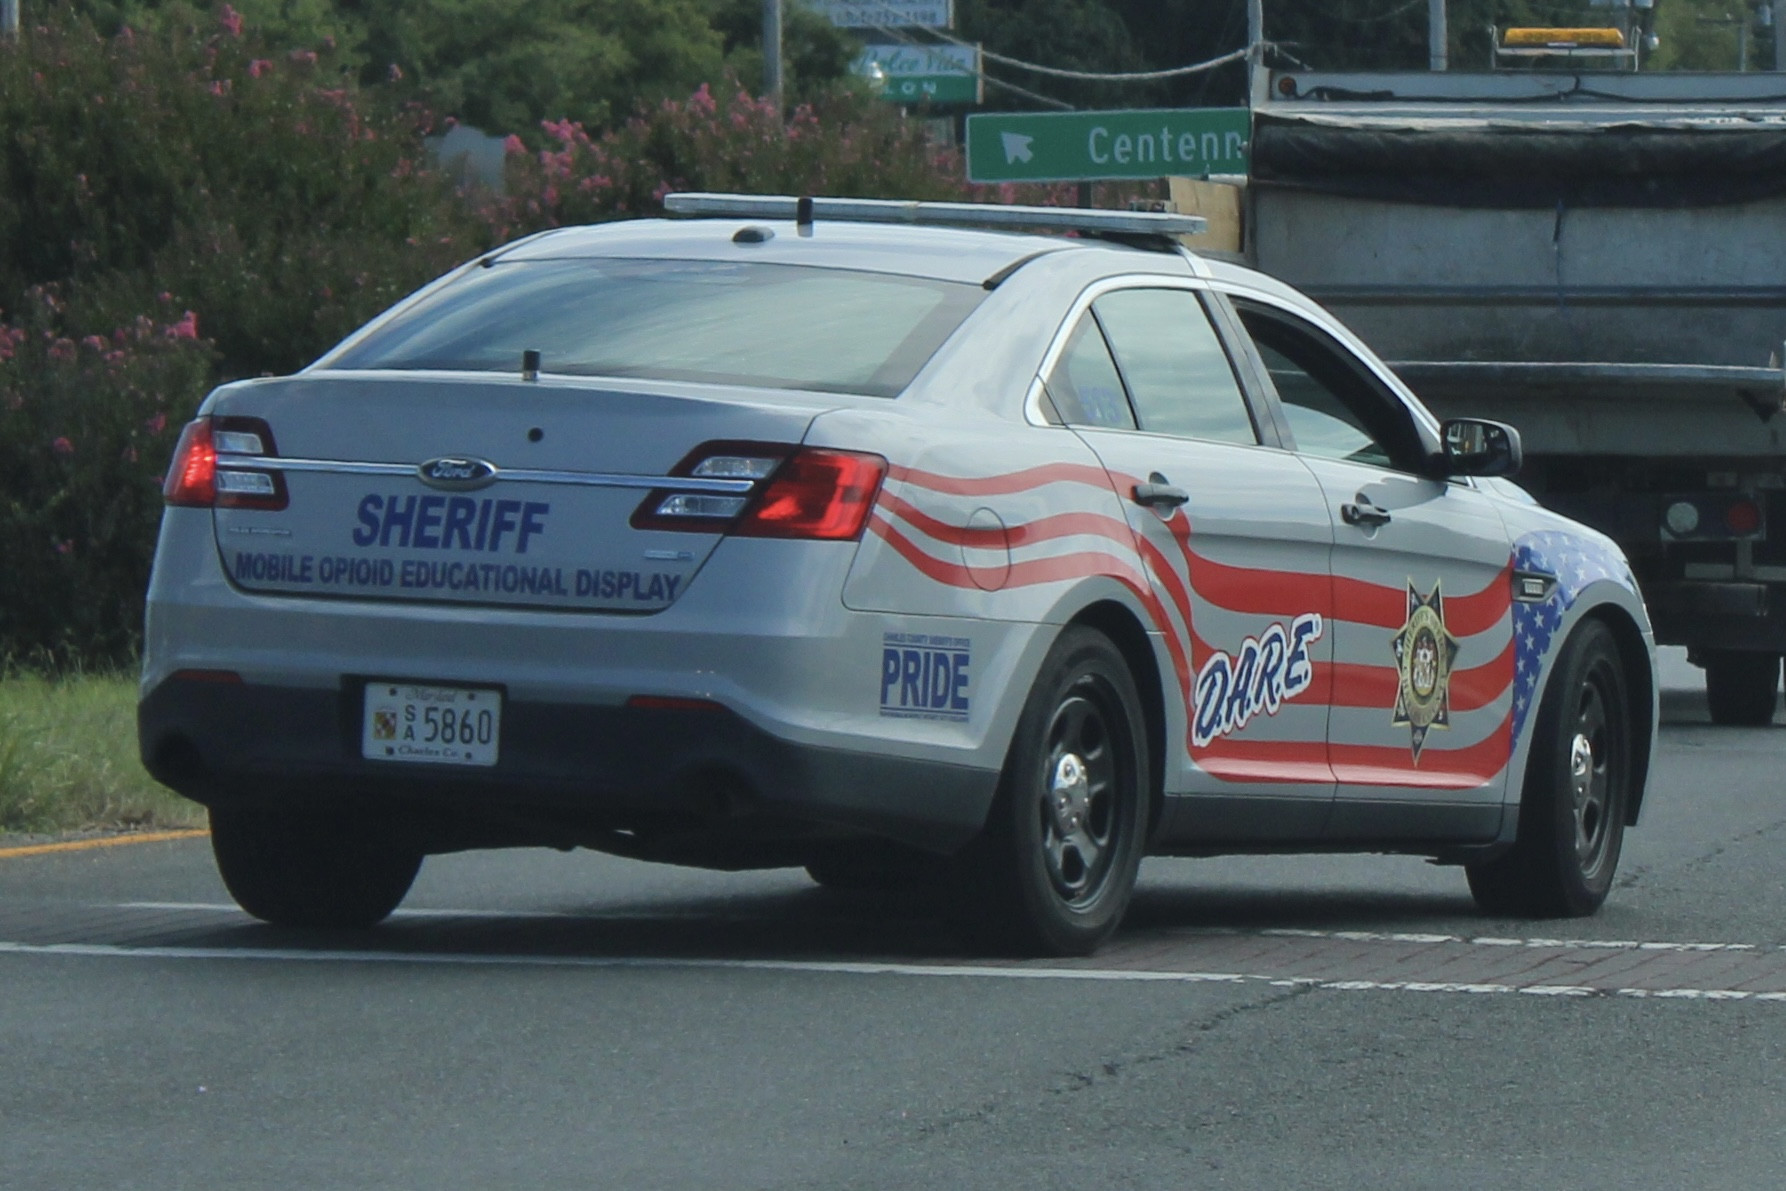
point(840, 967)
point(517, 915)
point(833, 967)
point(1368, 936)
point(1282, 932)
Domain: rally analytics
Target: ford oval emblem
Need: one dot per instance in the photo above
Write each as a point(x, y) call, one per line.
point(457, 473)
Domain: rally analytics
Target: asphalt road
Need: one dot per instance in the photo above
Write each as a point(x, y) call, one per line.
point(532, 1020)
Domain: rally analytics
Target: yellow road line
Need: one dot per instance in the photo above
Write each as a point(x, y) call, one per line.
point(105, 841)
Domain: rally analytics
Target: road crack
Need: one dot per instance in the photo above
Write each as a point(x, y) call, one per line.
point(1072, 1082)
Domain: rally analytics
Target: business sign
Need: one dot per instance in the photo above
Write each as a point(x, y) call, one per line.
point(1089, 146)
point(924, 73)
point(890, 14)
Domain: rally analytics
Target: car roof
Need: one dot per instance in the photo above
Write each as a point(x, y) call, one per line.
point(940, 253)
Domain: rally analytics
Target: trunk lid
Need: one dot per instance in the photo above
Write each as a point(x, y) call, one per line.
point(482, 490)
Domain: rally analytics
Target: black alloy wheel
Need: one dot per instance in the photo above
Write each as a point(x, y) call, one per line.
point(1054, 869)
point(1577, 790)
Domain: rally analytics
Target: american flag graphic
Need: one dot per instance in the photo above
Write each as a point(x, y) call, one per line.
point(1575, 562)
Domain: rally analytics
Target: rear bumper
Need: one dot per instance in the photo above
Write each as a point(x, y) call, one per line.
point(1718, 615)
point(699, 786)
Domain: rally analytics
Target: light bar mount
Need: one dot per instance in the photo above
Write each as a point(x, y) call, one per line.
point(1112, 224)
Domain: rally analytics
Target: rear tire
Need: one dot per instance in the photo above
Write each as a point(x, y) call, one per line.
point(1053, 870)
point(1741, 688)
point(1576, 792)
point(310, 868)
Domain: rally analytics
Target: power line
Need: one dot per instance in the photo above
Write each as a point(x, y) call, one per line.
point(1410, 6)
point(1085, 76)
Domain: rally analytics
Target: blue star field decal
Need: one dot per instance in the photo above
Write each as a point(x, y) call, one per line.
point(1575, 562)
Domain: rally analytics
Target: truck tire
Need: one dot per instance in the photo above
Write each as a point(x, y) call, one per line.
point(1576, 794)
point(310, 868)
point(1742, 688)
point(1053, 870)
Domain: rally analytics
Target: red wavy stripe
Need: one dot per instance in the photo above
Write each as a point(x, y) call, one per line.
point(1297, 761)
point(1387, 607)
point(1045, 570)
point(1042, 529)
point(1438, 769)
point(1356, 685)
point(1017, 481)
point(1371, 765)
point(1167, 577)
point(1022, 574)
point(1241, 769)
point(1260, 592)
point(1157, 611)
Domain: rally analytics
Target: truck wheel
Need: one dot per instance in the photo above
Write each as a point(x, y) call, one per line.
point(1053, 870)
point(308, 868)
point(1577, 789)
point(1741, 687)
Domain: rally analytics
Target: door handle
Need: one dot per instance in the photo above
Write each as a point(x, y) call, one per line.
point(1157, 494)
point(1364, 513)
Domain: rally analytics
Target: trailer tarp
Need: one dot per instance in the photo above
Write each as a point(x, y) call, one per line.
point(1522, 163)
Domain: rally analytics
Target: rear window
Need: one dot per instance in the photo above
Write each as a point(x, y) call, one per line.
point(779, 326)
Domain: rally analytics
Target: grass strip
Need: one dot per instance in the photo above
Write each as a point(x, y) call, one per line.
point(68, 759)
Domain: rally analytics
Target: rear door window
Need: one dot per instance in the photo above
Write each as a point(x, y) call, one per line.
point(1085, 386)
point(1177, 370)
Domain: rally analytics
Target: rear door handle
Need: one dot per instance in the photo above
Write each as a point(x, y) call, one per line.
point(1364, 513)
point(1158, 494)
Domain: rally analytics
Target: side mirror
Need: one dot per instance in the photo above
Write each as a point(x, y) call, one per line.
point(1478, 447)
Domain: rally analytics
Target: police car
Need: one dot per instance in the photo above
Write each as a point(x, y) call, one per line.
point(835, 533)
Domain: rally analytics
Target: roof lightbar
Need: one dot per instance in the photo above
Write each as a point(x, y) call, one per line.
point(990, 215)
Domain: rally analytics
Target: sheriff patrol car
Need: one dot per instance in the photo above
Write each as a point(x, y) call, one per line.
point(835, 533)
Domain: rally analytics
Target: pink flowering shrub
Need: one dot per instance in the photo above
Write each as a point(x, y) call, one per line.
point(87, 425)
point(197, 159)
point(845, 144)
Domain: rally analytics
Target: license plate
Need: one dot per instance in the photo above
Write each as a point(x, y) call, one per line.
point(437, 725)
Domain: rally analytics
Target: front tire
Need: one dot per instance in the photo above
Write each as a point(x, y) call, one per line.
point(1741, 688)
point(310, 868)
point(1053, 870)
point(1577, 791)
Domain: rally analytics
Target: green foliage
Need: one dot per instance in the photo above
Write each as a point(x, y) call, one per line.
point(503, 66)
point(1088, 35)
point(847, 143)
point(1706, 35)
point(153, 185)
point(282, 208)
point(815, 53)
point(86, 427)
point(68, 758)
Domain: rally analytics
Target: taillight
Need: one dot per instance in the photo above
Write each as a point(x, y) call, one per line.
point(817, 494)
point(192, 480)
point(768, 490)
point(1743, 517)
point(205, 473)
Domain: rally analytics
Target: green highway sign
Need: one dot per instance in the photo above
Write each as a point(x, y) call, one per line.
point(895, 14)
point(923, 74)
point(1089, 146)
